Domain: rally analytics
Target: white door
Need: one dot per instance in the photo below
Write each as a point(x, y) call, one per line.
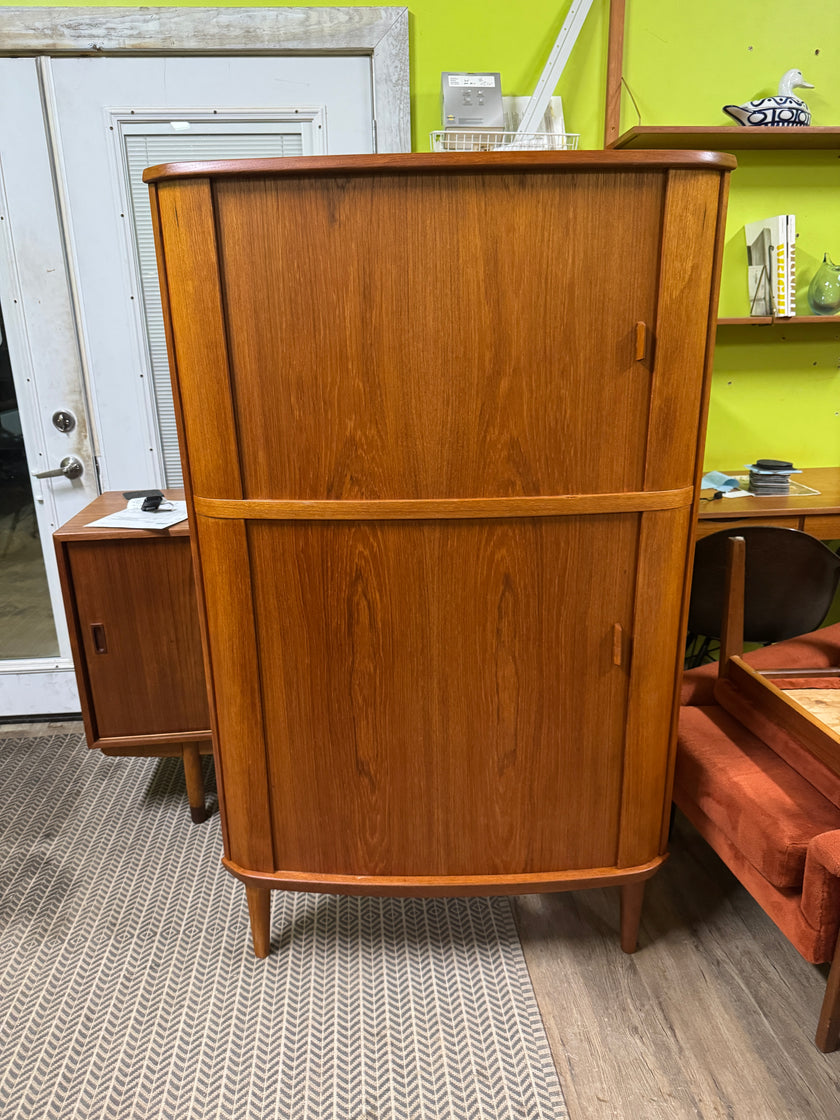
point(78, 289)
point(114, 117)
point(40, 375)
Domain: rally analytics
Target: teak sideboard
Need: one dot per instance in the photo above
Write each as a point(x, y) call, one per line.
point(441, 420)
point(131, 610)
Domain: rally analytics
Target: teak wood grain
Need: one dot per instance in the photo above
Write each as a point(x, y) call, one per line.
point(429, 509)
point(427, 649)
point(435, 377)
point(663, 540)
point(133, 624)
point(442, 505)
point(132, 616)
point(140, 636)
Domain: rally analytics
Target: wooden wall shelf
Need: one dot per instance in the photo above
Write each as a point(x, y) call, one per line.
point(728, 138)
point(772, 321)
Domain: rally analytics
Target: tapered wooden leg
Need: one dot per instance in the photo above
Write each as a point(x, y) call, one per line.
point(259, 911)
point(632, 896)
point(195, 782)
point(828, 1029)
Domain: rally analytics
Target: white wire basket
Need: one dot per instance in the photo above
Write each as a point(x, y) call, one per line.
point(488, 140)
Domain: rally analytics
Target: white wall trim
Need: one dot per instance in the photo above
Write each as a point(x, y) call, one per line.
point(381, 33)
point(44, 689)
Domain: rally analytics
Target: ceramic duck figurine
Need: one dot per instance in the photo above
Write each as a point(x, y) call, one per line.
point(784, 110)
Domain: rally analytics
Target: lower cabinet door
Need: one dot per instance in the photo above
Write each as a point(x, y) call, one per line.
point(135, 602)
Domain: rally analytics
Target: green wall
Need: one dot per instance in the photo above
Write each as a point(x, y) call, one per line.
point(776, 390)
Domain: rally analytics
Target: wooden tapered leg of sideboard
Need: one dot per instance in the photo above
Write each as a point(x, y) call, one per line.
point(259, 911)
point(632, 897)
point(195, 782)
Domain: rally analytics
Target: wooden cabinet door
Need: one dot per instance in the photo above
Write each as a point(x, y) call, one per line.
point(421, 338)
point(442, 699)
point(138, 625)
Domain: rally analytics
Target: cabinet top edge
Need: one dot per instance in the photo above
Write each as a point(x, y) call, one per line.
point(446, 162)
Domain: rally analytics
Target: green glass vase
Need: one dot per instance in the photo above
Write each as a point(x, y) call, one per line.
point(824, 289)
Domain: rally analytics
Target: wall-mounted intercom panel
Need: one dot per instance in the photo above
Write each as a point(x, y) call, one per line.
point(472, 100)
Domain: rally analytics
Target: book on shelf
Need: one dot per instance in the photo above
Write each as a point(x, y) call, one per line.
point(771, 265)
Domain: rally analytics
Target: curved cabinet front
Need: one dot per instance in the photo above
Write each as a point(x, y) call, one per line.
point(441, 421)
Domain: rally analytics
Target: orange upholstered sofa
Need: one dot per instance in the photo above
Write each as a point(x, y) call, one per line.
point(767, 805)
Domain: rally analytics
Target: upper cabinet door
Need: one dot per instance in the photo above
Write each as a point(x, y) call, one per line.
point(497, 357)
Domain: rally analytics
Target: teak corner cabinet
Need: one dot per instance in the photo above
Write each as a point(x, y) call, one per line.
point(441, 419)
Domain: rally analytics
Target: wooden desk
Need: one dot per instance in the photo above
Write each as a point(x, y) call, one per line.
point(817, 514)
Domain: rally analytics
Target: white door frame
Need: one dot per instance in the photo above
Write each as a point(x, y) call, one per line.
point(381, 33)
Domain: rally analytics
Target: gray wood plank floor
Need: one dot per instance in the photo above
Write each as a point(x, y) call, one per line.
point(713, 1017)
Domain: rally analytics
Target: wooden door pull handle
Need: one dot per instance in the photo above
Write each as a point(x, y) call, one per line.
point(644, 344)
point(618, 645)
point(97, 633)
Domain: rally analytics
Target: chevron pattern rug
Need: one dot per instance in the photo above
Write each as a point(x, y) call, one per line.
point(128, 989)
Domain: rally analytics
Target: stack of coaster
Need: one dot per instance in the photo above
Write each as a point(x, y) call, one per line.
point(771, 476)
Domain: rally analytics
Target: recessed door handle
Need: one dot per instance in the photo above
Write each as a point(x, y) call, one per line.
point(97, 633)
point(70, 467)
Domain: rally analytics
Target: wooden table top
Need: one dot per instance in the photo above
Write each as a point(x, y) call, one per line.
point(77, 527)
point(824, 479)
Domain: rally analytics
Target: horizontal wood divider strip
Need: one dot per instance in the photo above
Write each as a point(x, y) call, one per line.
point(418, 509)
point(443, 886)
point(171, 750)
point(150, 742)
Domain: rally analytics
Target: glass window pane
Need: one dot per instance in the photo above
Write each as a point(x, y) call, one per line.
point(27, 629)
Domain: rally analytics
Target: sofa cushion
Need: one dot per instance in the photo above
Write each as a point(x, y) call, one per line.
point(766, 809)
point(783, 742)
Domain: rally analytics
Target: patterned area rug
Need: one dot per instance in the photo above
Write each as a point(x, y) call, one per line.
point(129, 989)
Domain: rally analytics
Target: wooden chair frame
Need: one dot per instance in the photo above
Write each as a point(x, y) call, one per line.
point(820, 739)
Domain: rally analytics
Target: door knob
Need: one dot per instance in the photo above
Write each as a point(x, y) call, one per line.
point(70, 467)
